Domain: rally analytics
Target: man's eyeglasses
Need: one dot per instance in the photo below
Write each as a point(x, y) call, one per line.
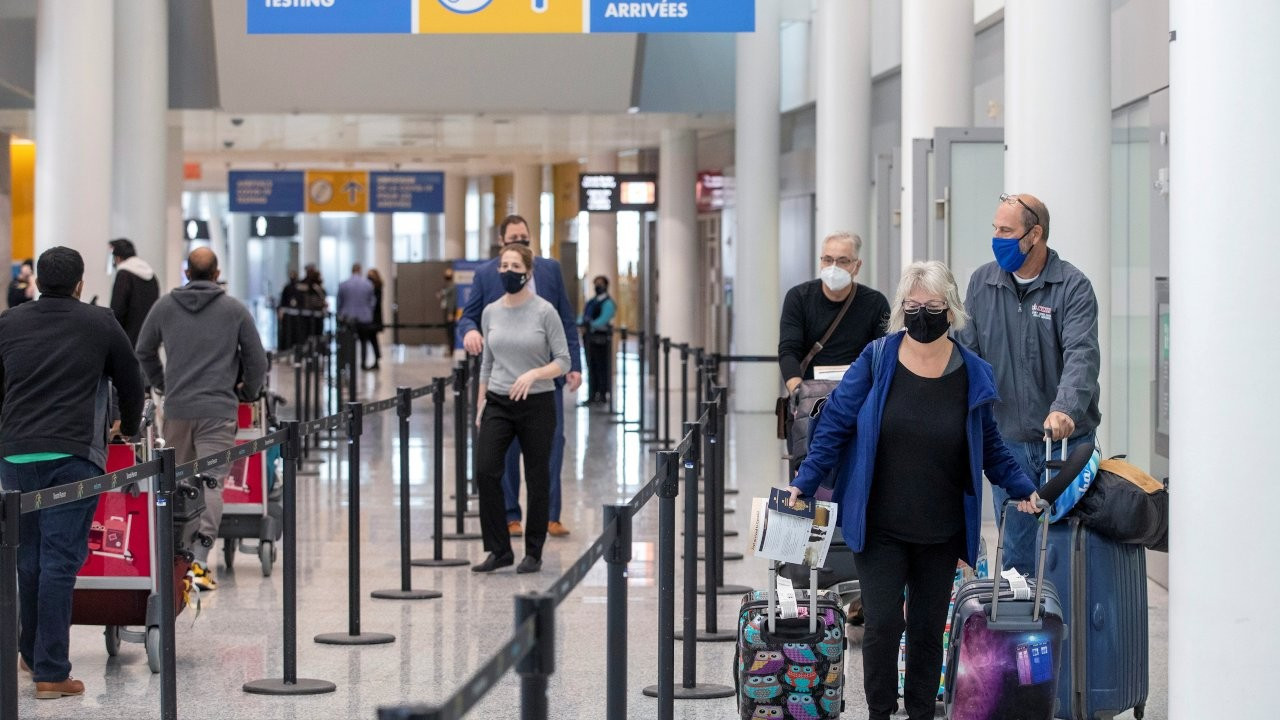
point(1010, 199)
point(841, 261)
point(934, 307)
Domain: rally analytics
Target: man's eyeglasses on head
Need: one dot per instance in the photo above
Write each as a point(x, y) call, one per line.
point(1011, 199)
point(934, 307)
point(841, 261)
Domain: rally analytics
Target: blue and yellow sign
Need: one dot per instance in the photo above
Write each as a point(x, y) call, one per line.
point(499, 16)
point(337, 191)
point(314, 191)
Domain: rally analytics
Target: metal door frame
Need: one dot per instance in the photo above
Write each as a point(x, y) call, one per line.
point(888, 252)
point(920, 150)
point(943, 139)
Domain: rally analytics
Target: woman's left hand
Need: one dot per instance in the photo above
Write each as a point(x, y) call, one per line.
point(520, 388)
point(1031, 505)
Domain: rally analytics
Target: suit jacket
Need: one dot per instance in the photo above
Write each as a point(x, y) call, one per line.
point(486, 287)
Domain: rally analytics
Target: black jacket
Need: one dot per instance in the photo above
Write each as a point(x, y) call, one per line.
point(135, 291)
point(57, 355)
point(806, 315)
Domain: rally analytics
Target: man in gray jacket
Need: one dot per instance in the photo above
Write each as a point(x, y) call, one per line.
point(209, 341)
point(1035, 319)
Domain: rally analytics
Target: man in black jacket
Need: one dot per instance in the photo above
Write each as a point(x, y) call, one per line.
point(136, 288)
point(57, 356)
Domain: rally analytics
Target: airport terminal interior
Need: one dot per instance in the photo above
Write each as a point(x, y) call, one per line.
point(698, 156)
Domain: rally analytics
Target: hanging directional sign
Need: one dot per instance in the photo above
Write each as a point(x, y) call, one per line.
point(265, 191)
point(337, 191)
point(406, 192)
point(316, 191)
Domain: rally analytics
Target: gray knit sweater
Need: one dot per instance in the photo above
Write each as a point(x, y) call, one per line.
point(519, 339)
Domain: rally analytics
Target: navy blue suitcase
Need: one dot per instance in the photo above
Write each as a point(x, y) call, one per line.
point(1102, 587)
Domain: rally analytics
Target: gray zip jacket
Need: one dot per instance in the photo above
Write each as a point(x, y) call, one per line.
point(1044, 348)
point(209, 341)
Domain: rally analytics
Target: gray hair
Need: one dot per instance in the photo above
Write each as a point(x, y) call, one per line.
point(935, 278)
point(846, 236)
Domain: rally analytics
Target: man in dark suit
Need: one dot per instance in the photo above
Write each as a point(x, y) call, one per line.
point(548, 283)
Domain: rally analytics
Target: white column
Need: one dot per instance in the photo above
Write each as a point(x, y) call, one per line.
point(602, 228)
point(235, 266)
point(455, 216)
point(138, 199)
point(937, 84)
point(1223, 156)
point(73, 131)
point(309, 252)
point(1058, 135)
point(843, 29)
point(383, 237)
point(756, 298)
point(210, 211)
point(174, 250)
point(679, 289)
point(528, 199)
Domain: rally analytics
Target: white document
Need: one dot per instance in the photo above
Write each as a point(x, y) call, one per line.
point(829, 372)
point(791, 539)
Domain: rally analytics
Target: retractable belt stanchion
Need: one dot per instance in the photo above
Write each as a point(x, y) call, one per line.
point(299, 407)
point(318, 404)
point(165, 551)
point(642, 345)
point(354, 636)
point(307, 409)
point(353, 376)
point(664, 431)
point(669, 471)
point(710, 446)
point(722, 463)
point(473, 430)
point(10, 506)
point(684, 384)
point(616, 558)
point(619, 376)
point(536, 667)
point(290, 684)
point(459, 456)
point(404, 408)
point(437, 558)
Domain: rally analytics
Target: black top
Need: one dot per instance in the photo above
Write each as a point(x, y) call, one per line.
point(922, 459)
point(806, 315)
point(56, 356)
point(131, 300)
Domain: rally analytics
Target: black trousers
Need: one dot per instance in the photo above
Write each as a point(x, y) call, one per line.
point(533, 422)
point(886, 566)
point(368, 335)
point(599, 349)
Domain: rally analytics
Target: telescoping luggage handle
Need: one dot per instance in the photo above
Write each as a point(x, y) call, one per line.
point(772, 592)
point(1068, 468)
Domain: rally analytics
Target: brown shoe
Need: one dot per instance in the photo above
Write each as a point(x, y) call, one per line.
point(555, 529)
point(514, 529)
point(55, 690)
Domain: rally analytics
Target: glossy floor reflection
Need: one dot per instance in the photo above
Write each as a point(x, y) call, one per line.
point(236, 637)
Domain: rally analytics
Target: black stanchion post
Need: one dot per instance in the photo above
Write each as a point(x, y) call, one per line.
point(404, 409)
point(642, 344)
point(354, 636)
point(290, 684)
point(317, 395)
point(473, 430)
point(308, 408)
point(297, 383)
point(536, 667)
point(353, 377)
point(437, 558)
point(165, 486)
point(616, 557)
point(684, 384)
point(10, 504)
point(665, 431)
point(669, 471)
point(715, 506)
point(711, 445)
point(621, 376)
point(699, 362)
point(460, 456)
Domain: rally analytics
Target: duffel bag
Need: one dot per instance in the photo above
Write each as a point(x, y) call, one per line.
point(1127, 505)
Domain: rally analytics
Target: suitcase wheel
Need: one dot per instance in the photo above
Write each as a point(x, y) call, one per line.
point(152, 644)
point(228, 552)
point(266, 556)
point(111, 635)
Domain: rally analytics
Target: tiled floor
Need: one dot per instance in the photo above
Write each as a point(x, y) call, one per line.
point(236, 636)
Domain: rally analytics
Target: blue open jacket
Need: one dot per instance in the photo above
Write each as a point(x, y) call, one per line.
point(848, 432)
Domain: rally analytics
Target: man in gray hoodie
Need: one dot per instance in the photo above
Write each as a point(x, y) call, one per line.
point(209, 341)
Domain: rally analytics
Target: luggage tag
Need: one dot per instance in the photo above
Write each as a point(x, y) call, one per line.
point(1017, 583)
point(787, 605)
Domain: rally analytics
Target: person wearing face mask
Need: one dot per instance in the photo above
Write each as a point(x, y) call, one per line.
point(1035, 319)
point(909, 432)
point(597, 340)
point(517, 400)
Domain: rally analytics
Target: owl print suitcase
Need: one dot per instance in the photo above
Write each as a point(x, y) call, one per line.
point(789, 662)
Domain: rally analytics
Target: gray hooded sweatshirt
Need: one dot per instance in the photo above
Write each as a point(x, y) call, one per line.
point(210, 344)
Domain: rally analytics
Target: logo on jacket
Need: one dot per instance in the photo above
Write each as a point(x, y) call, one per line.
point(1042, 312)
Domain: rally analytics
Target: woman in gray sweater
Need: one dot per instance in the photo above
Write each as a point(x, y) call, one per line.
point(524, 351)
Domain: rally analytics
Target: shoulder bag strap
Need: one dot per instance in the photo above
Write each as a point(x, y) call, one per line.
point(817, 347)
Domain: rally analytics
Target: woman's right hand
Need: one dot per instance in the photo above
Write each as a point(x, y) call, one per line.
point(479, 412)
point(796, 494)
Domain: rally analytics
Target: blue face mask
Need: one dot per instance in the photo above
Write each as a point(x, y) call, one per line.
point(1008, 255)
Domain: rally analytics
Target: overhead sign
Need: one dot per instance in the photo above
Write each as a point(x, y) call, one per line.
point(306, 17)
point(406, 192)
point(273, 226)
point(611, 192)
point(315, 191)
point(712, 191)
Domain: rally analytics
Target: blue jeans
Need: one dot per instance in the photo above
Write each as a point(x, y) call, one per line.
point(1021, 542)
point(511, 477)
point(54, 544)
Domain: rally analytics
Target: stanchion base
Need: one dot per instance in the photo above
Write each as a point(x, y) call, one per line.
point(460, 536)
point(277, 686)
point(728, 556)
point(405, 594)
point(361, 639)
point(726, 589)
point(701, 691)
point(439, 562)
point(704, 636)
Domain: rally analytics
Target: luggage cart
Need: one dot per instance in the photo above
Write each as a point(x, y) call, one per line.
point(250, 510)
point(116, 586)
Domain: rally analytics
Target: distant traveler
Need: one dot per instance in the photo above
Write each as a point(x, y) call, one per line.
point(517, 398)
point(448, 297)
point(1035, 319)
point(355, 310)
point(378, 324)
point(209, 341)
point(546, 282)
point(57, 356)
point(135, 290)
point(910, 431)
point(597, 340)
point(23, 287)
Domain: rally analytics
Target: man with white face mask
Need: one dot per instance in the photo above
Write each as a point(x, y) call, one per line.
point(811, 309)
